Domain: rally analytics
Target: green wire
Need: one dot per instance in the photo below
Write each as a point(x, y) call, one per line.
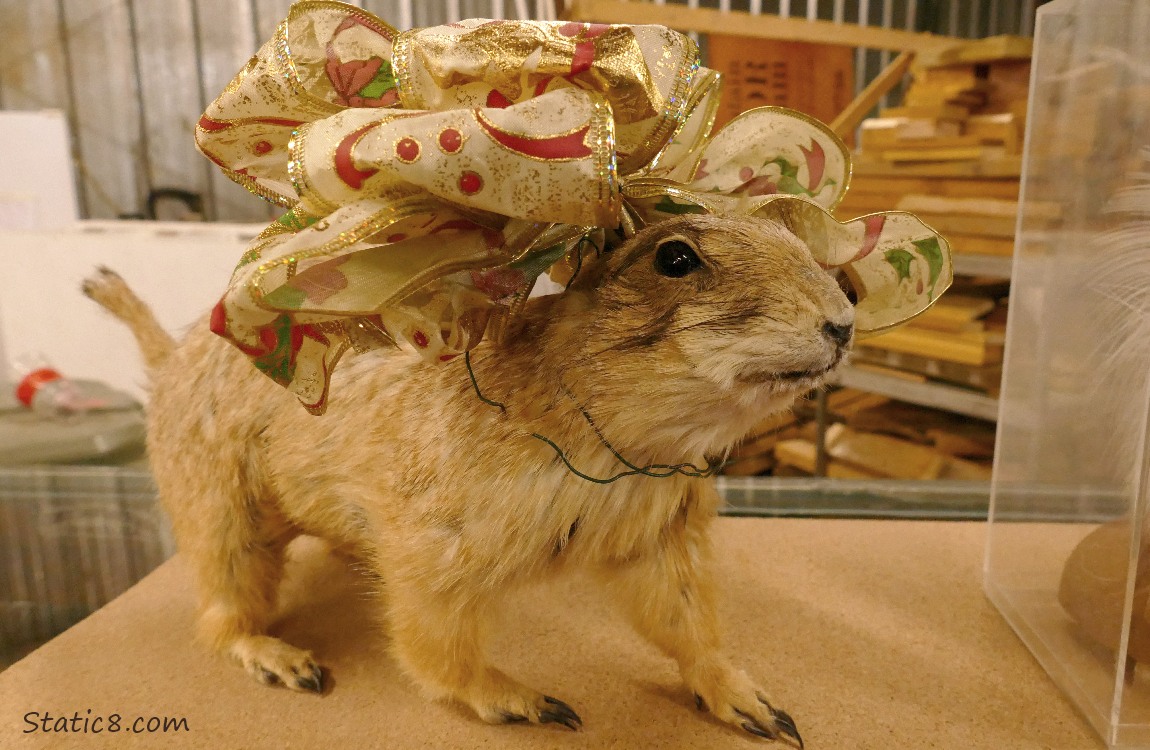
point(653, 470)
point(475, 384)
point(615, 478)
point(687, 469)
point(585, 239)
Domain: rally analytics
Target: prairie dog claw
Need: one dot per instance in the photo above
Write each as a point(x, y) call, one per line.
point(733, 698)
point(560, 714)
point(786, 725)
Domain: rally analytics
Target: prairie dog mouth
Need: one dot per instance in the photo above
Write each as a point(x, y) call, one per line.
point(790, 377)
point(802, 374)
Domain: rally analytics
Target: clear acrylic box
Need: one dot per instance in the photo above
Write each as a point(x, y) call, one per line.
point(1068, 555)
point(72, 538)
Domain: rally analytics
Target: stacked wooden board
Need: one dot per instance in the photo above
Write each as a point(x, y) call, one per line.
point(959, 340)
point(869, 437)
point(951, 152)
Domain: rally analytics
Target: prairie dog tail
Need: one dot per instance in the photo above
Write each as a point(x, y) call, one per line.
point(110, 290)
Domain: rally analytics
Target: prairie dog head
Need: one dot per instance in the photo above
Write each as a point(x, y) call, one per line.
point(712, 322)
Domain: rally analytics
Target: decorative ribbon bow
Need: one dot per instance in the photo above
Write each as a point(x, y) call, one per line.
point(432, 175)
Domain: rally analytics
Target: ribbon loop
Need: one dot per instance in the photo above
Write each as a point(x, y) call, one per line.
point(549, 157)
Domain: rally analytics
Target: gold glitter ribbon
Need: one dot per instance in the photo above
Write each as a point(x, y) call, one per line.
point(432, 175)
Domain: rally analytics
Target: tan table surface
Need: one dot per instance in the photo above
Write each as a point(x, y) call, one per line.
point(872, 634)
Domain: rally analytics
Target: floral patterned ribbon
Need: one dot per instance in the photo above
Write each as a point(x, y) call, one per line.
point(432, 175)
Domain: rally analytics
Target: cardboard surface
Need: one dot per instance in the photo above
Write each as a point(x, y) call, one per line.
point(872, 634)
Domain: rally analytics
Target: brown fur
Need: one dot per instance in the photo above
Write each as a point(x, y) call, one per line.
point(452, 501)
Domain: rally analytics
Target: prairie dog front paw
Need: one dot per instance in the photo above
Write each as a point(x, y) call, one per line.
point(732, 697)
point(499, 699)
point(273, 662)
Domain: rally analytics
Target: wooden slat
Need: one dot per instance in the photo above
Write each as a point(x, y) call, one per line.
point(977, 226)
point(857, 110)
point(106, 107)
point(883, 455)
point(875, 141)
point(962, 443)
point(895, 187)
point(268, 13)
point(966, 243)
point(926, 127)
point(1007, 209)
point(749, 466)
point(33, 68)
point(987, 50)
point(961, 348)
point(801, 455)
point(226, 41)
point(935, 154)
point(987, 378)
point(854, 206)
point(705, 20)
point(963, 206)
point(942, 141)
point(168, 85)
point(475, 8)
point(422, 14)
point(1003, 127)
point(954, 313)
point(844, 398)
point(864, 401)
point(967, 471)
point(920, 424)
point(891, 372)
point(932, 111)
point(1008, 166)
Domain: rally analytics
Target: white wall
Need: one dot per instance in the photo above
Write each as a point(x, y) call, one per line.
point(181, 270)
point(36, 186)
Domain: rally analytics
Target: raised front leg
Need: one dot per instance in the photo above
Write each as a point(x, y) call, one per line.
point(669, 595)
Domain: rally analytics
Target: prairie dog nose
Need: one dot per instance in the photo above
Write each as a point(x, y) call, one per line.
point(841, 335)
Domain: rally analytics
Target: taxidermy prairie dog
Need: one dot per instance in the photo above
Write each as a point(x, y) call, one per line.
point(666, 351)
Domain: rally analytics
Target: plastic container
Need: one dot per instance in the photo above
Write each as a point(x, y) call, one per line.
point(46, 418)
point(40, 387)
point(1068, 562)
point(71, 540)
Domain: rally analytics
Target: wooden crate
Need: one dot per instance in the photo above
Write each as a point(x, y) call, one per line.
point(815, 79)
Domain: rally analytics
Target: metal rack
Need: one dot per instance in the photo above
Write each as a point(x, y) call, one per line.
point(935, 395)
point(995, 266)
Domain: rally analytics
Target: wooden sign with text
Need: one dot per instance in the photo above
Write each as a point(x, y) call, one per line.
point(817, 79)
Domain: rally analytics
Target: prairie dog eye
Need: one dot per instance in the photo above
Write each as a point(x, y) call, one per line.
point(676, 258)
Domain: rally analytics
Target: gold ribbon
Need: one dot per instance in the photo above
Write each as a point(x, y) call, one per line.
point(432, 175)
